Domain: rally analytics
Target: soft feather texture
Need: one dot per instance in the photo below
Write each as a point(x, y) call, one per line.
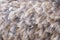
point(29, 19)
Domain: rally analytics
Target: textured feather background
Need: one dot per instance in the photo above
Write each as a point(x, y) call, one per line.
point(29, 19)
